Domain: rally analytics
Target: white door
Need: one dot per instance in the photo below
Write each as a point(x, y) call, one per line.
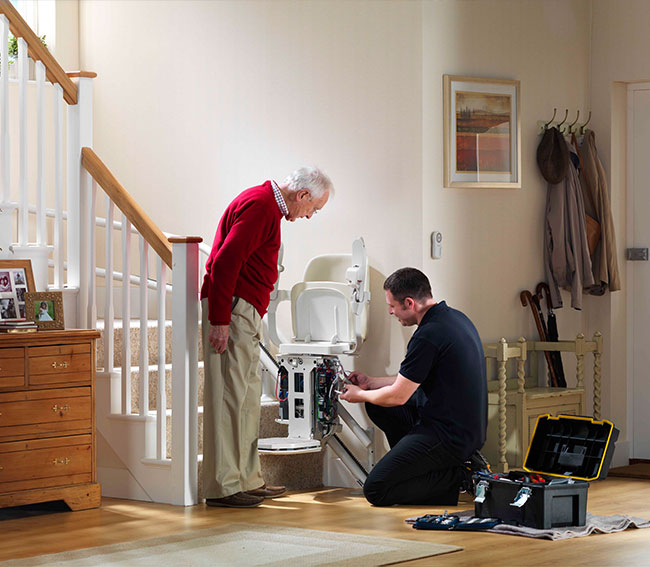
point(638, 236)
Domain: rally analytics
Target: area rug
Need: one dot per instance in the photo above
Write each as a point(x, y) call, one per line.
point(242, 544)
point(638, 470)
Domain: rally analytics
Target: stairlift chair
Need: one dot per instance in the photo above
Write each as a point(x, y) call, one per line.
point(329, 318)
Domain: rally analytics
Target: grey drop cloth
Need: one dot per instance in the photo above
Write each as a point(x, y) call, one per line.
point(593, 524)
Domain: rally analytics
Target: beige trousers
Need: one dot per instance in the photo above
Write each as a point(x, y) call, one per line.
point(231, 407)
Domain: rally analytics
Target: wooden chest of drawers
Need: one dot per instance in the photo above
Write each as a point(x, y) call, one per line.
point(47, 418)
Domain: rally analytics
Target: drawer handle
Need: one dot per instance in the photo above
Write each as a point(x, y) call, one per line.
point(60, 461)
point(59, 365)
point(56, 408)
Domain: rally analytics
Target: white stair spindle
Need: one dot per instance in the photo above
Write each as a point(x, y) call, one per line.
point(23, 75)
point(41, 235)
point(109, 312)
point(143, 385)
point(126, 316)
point(57, 93)
point(161, 436)
point(4, 109)
point(92, 258)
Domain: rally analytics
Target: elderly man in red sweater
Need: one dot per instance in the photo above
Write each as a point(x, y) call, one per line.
point(240, 274)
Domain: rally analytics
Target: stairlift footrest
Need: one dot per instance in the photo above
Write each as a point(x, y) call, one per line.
point(286, 445)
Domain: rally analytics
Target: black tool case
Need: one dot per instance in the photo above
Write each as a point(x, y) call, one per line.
point(565, 453)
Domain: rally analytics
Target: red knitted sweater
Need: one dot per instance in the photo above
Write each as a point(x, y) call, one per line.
point(244, 257)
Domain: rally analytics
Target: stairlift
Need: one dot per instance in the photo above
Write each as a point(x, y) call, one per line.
point(329, 317)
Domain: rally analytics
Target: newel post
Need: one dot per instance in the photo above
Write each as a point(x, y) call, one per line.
point(79, 128)
point(185, 355)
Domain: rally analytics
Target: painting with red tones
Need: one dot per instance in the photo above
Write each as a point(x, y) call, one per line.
point(481, 132)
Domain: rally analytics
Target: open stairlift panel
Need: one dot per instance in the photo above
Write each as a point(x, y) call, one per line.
point(329, 318)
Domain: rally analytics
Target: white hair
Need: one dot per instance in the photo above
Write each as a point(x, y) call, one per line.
point(312, 179)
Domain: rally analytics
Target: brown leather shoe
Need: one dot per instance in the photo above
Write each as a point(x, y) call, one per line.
point(238, 500)
point(266, 491)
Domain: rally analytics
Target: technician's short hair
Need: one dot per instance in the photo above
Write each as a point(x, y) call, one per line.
point(312, 179)
point(408, 282)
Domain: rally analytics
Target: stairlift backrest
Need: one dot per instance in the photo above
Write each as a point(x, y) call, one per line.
point(328, 272)
point(320, 312)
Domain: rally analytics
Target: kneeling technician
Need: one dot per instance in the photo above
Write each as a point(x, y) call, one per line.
point(434, 412)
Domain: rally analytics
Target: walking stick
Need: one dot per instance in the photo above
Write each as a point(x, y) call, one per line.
point(552, 332)
point(528, 298)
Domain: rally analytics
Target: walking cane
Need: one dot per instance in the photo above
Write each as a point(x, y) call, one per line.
point(528, 298)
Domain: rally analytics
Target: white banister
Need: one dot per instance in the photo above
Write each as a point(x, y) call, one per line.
point(161, 432)
point(23, 75)
point(57, 95)
point(126, 316)
point(41, 235)
point(109, 312)
point(143, 378)
point(4, 109)
point(185, 339)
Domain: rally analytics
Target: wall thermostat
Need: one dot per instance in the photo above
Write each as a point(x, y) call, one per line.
point(436, 245)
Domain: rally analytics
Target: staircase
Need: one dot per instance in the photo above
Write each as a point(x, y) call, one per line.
point(297, 472)
point(86, 236)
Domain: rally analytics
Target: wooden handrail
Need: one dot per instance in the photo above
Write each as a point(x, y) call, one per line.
point(38, 52)
point(121, 197)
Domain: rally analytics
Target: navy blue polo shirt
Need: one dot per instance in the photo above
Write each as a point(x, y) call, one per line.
point(445, 356)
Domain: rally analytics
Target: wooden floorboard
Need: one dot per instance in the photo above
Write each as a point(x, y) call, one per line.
point(35, 532)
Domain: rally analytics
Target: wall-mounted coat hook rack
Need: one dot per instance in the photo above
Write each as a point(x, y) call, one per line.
point(573, 127)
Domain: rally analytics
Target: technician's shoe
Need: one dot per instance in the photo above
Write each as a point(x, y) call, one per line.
point(238, 500)
point(266, 491)
point(466, 481)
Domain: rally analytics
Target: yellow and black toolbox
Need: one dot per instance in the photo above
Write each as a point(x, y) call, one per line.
point(565, 453)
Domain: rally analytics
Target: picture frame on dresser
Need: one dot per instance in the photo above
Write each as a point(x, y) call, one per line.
point(45, 308)
point(16, 279)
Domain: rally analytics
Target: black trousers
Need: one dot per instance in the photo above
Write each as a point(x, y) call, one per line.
point(418, 469)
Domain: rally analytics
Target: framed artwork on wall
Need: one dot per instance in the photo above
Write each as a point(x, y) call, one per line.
point(16, 279)
point(482, 133)
point(45, 308)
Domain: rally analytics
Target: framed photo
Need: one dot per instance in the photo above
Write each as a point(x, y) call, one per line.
point(45, 308)
point(16, 279)
point(482, 133)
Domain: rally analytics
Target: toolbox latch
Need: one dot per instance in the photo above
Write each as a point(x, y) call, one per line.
point(481, 491)
point(522, 497)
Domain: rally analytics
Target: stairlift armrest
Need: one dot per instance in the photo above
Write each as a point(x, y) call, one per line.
point(276, 336)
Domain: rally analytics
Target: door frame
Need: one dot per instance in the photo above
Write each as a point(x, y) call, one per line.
point(629, 271)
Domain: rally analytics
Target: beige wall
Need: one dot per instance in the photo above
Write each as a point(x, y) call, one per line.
point(187, 115)
point(197, 100)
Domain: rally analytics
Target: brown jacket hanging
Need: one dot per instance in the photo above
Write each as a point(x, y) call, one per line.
point(593, 181)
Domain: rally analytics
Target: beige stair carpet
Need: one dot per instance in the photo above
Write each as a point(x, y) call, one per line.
point(244, 545)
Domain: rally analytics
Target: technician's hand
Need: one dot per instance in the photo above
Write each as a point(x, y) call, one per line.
point(352, 393)
point(218, 337)
point(360, 379)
